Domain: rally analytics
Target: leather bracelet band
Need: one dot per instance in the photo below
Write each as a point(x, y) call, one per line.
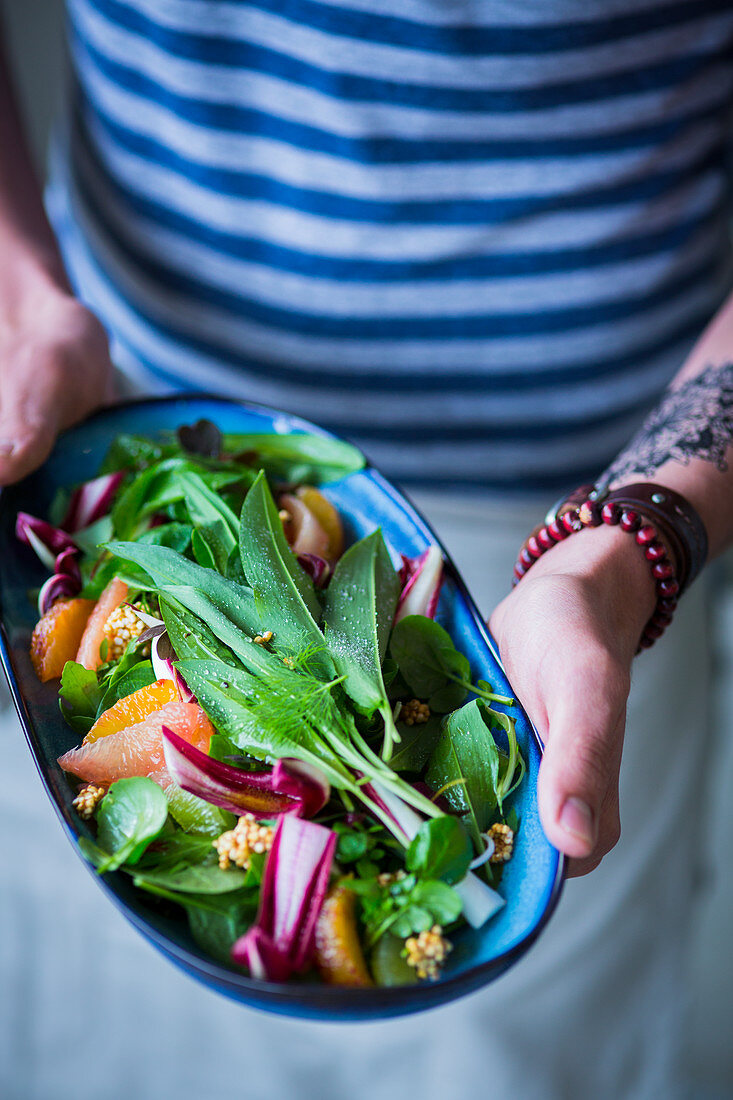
point(678, 523)
point(677, 532)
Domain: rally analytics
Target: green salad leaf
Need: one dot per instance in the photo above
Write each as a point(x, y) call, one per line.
point(441, 849)
point(432, 667)
point(130, 816)
point(296, 457)
point(79, 696)
point(283, 592)
point(468, 765)
point(360, 605)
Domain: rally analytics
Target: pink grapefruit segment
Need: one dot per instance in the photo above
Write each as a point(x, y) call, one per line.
point(114, 594)
point(138, 749)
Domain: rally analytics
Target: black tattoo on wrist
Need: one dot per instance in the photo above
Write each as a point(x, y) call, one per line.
point(694, 420)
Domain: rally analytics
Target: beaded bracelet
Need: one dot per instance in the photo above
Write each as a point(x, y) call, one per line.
point(675, 545)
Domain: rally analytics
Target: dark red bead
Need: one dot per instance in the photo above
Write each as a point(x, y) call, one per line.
point(571, 522)
point(646, 641)
point(661, 570)
point(525, 558)
point(534, 548)
point(667, 603)
point(630, 521)
point(611, 513)
point(646, 534)
point(655, 552)
point(589, 513)
point(668, 587)
point(653, 630)
point(556, 531)
point(661, 618)
point(545, 539)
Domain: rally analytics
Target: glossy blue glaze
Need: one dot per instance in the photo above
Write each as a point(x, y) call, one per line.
point(532, 879)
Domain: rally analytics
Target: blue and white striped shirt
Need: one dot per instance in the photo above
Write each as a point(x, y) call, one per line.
point(477, 237)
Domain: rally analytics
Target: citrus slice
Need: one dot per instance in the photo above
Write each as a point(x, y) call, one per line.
point(328, 518)
point(57, 634)
point(138, 749)
point(338, 954)
point(133, 708)
point(114, 594)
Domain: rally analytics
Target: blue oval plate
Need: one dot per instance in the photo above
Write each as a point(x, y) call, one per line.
point(532, 879)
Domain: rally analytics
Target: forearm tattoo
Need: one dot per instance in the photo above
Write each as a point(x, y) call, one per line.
point(693, 420)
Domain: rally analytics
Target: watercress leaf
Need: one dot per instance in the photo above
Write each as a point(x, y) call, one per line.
point(412, 919)
point(283, 592)
point(441, 900)
point(297, 457)
point(358, 614)
point(351, 846)
point(441, 849)
point(130, 815)
point(426, 655)
point(195, 815)
point(79, 696)
point(466, 750)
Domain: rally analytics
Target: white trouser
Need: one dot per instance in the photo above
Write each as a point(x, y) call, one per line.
point(593, 1012)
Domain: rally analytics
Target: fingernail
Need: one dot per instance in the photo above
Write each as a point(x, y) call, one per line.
point(576, 817)
point(6, 448)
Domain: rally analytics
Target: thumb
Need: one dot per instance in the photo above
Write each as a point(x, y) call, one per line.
point(578, 781)
point(29, 411)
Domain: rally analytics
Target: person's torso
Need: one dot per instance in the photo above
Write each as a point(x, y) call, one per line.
point(475, 236)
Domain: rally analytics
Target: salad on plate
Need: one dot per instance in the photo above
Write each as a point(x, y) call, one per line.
point(276, 736)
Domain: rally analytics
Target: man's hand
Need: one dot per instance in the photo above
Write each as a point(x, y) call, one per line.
point(567, 635)
point(54, 369)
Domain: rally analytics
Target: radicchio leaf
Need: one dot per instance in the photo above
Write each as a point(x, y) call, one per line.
point(91, 501)
point(317, 569)
point(284, 790)
point(421, 579)
point(294, 888)
point(59, 586)
point(47, 541)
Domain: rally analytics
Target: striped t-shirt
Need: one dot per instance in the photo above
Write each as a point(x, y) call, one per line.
point(477, 237)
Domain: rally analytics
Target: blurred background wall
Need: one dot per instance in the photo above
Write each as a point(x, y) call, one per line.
point(36, 31)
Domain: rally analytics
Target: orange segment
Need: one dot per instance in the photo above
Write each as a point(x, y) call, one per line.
point(114, 594)
point(328, 518)
point(133, 708)
point(138, 749)
point(56, 636)
point(338, 955)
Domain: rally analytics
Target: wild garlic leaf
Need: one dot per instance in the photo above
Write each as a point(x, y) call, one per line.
point(169, 570)
point(297, 457)
point(467, 751)
point(130, 816)
point(158, 487)
point(216, 526)
point(282, 714)
point(358, 615)
point(283, 592)
point(190, 636)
